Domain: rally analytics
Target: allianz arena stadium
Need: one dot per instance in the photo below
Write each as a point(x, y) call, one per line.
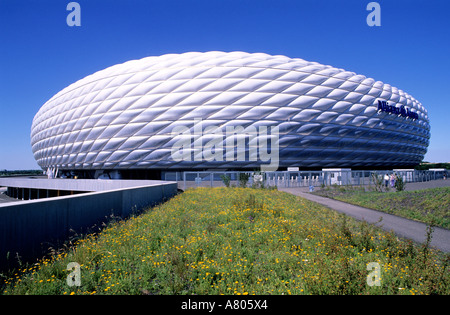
point(227, 111)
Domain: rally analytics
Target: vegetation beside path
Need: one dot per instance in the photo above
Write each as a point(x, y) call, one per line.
point(431, 206)
point(237, 241)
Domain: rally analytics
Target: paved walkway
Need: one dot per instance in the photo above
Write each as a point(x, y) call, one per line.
point(4, 198)
point(402, 227)
point(430, 184)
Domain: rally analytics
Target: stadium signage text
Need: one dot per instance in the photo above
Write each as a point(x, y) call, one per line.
point(403, 111)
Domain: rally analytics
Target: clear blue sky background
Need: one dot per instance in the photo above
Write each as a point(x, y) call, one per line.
point(40, 54)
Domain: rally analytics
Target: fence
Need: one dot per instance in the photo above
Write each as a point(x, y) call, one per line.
point(284, 179)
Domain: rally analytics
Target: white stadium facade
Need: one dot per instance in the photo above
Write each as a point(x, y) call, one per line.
point(226, 111)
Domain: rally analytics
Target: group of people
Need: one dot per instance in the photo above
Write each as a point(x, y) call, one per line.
point(392, 179)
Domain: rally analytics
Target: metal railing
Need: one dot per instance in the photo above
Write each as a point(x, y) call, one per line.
point(296, 178)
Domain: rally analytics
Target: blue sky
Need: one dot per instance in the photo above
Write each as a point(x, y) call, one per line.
point(40, 54)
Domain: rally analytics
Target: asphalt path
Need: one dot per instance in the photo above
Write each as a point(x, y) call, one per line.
point(402, 227)
point(4, 198)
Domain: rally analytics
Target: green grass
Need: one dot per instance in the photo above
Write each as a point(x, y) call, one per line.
point(427, 205)
point(237, 241)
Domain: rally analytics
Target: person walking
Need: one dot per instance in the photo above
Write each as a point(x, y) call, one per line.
point(392, 180)
point(386, 180)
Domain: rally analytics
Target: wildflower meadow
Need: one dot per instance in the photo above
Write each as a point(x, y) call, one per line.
point(237, 241)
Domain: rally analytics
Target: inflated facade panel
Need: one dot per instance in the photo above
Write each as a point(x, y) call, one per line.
point(129, 116)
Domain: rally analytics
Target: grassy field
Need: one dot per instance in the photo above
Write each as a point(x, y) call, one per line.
point(426, 205)
point(238, 241)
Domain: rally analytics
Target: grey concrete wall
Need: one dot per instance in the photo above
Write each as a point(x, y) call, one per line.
point(74, 184)
point(29, 228)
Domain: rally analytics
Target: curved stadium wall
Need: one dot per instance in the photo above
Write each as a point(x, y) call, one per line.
point(134, 116)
